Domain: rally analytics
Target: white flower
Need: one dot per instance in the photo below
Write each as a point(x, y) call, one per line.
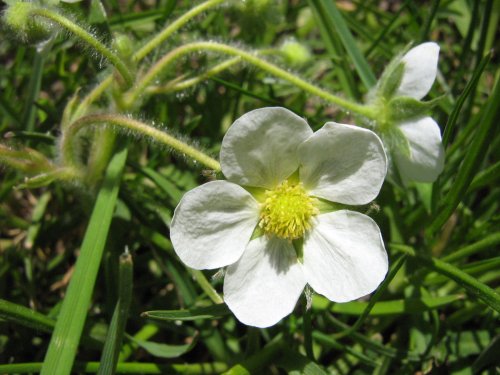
point(421, 158)
point(279, 174)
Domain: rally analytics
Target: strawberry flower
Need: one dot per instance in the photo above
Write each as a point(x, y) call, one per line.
point(412, 137)
point(281, 220)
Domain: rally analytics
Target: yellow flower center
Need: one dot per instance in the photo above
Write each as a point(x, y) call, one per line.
point(287, 211)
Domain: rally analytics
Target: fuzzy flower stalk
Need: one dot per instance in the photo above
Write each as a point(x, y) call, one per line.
point(280, 220)
point(411, 137)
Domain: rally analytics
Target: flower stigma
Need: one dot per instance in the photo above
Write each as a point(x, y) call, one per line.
point(287, 211)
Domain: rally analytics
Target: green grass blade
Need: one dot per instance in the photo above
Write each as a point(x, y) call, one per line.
point(485, 243)
point(295, 363)
point(428, 21)
point(395, 267)
point(473, 158)
point(36, 219)
point(17, 314)
point(470, 87)
point(333, 20)
point(334, 47)
point(64, 342)
point(112, 345)
point(209, 312)
point(485, 177)
point(471, 284)
point(331, 342)
point(126, 368)
point(371, 344)
point(402, 306)
point(161, 350)
point(29, 112)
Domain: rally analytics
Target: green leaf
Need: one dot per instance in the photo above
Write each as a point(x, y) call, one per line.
point(17, 314)
point(403, 306)
point(395, 140)
point(164, 350)
point(332, 19)
point(296, 364)
point(474, 286)
point(114, 336)
point(403, 108)
point(473, 158)
point(66, 336)
point(488, 356)
point(469, 88)
point(209, 312)
point(391, 78)
point(168, 187)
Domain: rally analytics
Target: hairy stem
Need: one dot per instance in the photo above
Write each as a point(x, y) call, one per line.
point(123, 122)
point(88, 38)
point(177, 53)
point(173, 27)
point(179, 84)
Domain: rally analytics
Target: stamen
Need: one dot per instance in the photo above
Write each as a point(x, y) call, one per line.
point(287, 211)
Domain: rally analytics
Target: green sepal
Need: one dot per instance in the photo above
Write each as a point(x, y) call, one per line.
point(392, 76)
point(404, 108)
point(391, 79)
point(396, 141)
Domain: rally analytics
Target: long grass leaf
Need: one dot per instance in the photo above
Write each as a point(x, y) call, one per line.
point(17, 314)
point(333, 19)
point(112, 345)
point(471, 284)
point(66, 336)
point(474, 156)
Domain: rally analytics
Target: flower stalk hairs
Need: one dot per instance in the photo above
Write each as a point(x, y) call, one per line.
point(411, 136)
point(280, 221)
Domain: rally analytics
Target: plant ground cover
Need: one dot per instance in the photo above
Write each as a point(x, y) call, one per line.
point(437, 310)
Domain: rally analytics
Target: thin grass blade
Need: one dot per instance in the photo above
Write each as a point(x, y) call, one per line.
point(62, 349)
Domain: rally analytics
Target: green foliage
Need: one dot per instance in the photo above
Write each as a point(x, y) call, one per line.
point(438, 310)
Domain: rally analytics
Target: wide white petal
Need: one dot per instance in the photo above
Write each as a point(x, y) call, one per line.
point(344, 256)
point(420, 70)
point(343, 163)
point(212, 224)
point(426, 159)
point(260, 148)
point(265, 284)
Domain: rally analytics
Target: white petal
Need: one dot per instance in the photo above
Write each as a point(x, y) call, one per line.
point(344, 256)
point(212, 224)
point(260, 148)
point(343, 163)
point(420, 70)
point(426, 151)
point(265, 284)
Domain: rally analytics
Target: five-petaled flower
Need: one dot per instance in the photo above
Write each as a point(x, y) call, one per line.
point(271, 224)
point(412, 137)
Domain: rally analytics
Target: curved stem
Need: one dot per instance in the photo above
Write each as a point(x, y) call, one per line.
point(179, 84)
point(173, 27)
point(92, 96)
point(137, 127)
point(88, 38)
point(175, 54)
point(147, 48)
